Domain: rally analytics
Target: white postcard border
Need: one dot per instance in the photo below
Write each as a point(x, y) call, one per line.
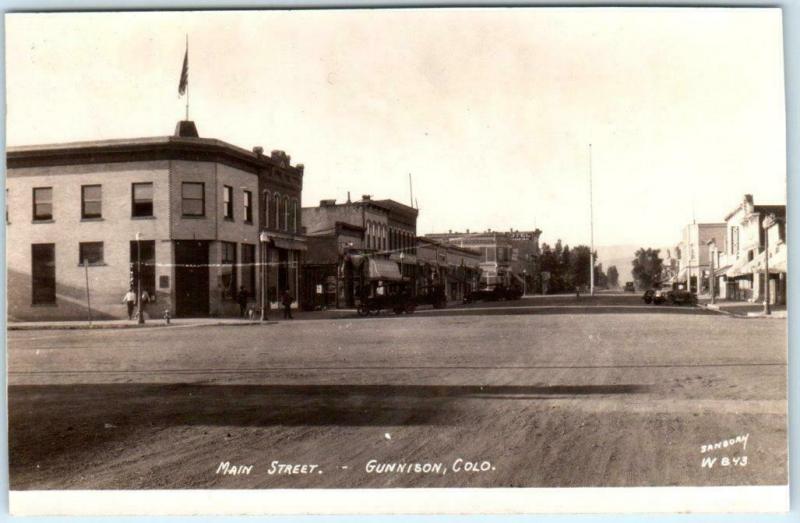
point(601, 500)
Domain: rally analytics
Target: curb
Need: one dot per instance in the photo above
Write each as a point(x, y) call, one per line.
point(131, 326)
point(779, 315)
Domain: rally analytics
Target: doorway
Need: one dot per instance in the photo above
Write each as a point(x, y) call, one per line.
point(191, 278)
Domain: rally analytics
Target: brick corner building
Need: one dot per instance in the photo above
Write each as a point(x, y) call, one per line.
point(207, 214)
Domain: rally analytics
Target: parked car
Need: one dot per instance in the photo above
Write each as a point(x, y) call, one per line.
point(682, 297)
point(629, 287)
point(666, 294)
point(494, 293)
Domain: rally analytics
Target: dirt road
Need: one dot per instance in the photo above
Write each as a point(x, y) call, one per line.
point(566, 399)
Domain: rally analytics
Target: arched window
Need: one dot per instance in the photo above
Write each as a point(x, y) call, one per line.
point(285, 209)
point(384, 245)
point(276, 212)
point(265, 210)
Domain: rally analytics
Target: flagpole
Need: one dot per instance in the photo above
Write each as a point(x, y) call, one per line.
point(187, 78)
point(591, 227)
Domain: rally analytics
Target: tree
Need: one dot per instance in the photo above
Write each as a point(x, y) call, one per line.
point(613, 276)
point(647, 267)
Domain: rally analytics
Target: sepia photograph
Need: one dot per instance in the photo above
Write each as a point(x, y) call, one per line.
point(427, 260)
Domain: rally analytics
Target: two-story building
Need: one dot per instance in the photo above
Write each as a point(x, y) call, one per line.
point(386, 250)
point(740, 257)
point(694, 263)
point(179, 215)
point(507, 258)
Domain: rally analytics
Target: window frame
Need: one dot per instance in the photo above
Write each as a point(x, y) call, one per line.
point(202, 200)
point(247, 202)
point(276, 197)
point(227, 202)
point(84, 200)
point(81, 246)
point(42, 218)
point(134, 213)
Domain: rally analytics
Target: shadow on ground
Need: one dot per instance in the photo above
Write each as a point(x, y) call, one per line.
point(49, 420)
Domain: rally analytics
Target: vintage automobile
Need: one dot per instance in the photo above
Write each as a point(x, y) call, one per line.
point(667, 294)
point(629, 287)
point(395, 296)
point(682, 297)
point(494, 293)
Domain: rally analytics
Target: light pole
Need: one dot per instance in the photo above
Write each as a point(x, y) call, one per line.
point(524, 282)
point(768, 221)
point(263, 239)
point(139, 278)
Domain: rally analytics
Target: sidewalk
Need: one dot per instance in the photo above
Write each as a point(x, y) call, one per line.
point(274, 317)
point(743, 309)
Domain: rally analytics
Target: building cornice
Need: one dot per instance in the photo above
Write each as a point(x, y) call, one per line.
point(148, 149)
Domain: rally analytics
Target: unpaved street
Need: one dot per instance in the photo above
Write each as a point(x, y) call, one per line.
point(541, 397)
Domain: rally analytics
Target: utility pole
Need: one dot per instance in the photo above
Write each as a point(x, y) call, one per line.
point(591, 227)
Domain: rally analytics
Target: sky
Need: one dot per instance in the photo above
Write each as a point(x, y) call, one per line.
point(491, 111)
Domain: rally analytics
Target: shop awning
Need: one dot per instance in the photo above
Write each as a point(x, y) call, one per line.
point(382, 269)
point(777, 263)
point(739, 268)
point(681, 276)
point(722, 271)
point(289, 245)
point(518, 277)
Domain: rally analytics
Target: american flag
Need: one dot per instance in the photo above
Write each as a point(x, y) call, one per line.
point(184, 83)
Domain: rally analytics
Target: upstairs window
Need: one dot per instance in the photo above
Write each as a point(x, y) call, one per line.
point(227, 202)
point(248, 206)
point(43, 203)
point(142, 195)
point(277, 213)
point(285, 209)
point(193, 199)
point(91, 201)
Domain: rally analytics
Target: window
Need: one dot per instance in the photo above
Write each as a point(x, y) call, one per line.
point(91, 201)
point(43, 203)
point(285, 209)
point(277, 213)
point(143, 263)
point(294, 217)
point(43, 273)
point(249, 268)
point(142, 194)
point(228, 270)
point(227, 202)
point(91, 252)
point(248, 207)
point(193, 199)
point(265, 211)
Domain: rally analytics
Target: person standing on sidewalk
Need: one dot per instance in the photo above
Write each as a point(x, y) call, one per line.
point(286, 300)
point(130, 300)
point(241, 298)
